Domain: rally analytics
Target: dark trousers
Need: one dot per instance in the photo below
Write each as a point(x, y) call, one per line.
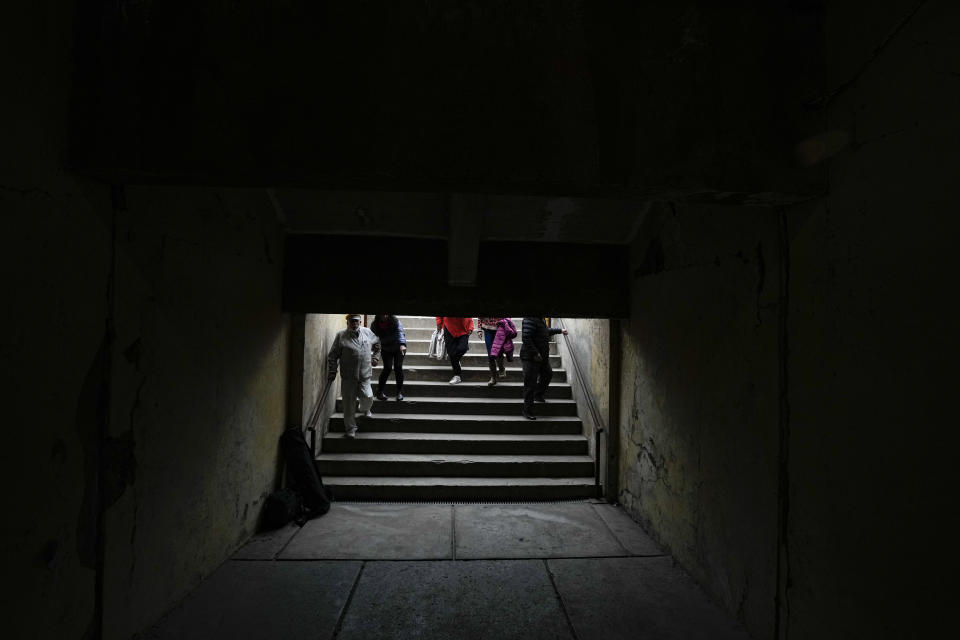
point(488, 337)
point(536, 379)
point(392, 360)
point(456, 347)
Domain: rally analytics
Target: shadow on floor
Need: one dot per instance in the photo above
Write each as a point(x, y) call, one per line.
point(564, 570)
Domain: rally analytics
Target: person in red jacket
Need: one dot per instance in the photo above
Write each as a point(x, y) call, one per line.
point(456, 334)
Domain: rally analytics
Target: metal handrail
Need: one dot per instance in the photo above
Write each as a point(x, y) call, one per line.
point(315, 414)
point(311, 424)
point(600, 425)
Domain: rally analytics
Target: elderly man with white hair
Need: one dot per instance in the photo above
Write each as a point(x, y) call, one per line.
point(356, 349)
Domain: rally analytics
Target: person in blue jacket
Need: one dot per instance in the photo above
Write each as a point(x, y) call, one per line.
point(393, 347)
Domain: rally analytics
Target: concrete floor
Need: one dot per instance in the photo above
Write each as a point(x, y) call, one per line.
point(566, 570)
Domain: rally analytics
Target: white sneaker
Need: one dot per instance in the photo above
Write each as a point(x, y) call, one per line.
point(369, 413)
point(351, 434)
point(455, 380)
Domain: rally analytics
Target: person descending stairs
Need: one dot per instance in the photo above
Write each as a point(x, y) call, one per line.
point(466, 441)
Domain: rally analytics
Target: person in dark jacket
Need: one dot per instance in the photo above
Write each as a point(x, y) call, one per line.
point(393, 347)
point(535, 358)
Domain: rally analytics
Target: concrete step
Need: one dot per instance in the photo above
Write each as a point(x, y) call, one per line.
point(424, 334)
point(460, 443)
point(454, 465)
point(441, 388)
point(438, 423)
point(457, 488)
point(420, 345)
point(472, 358)
point(443, 372)
point(430, 322)
point(472, 406)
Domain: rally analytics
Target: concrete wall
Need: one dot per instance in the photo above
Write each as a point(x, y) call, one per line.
point(316, 264)
point(699, 396)
point(846, 366)
point(55, 258)
point(198, 394)
point(589, 340)
point(143, 366)
point(320, 332)
point(872, 334)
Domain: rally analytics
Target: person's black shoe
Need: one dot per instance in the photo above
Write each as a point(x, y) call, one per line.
point(528, 415)
point(539, 399)
point(380, 395)
point(399, 397)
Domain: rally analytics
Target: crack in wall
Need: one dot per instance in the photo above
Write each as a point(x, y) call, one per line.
point(26, 191)
point(761, 280)
point(131, 480)
point(821, 102)
point(856, 145)
point(783, 580)
point(716, 261)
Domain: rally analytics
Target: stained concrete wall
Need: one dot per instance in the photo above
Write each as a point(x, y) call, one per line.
point(699, 394)
point(55, 249)
point(872, 335)
point(320, 332)
point(845, 365)
point(143, 358)
point(198, 393)
point(589, 341)
point(55, 255)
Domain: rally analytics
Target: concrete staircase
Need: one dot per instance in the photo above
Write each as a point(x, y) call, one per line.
point(460, 442)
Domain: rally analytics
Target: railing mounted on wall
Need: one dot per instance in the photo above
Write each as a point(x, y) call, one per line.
point(311, 425)
point(600, 426)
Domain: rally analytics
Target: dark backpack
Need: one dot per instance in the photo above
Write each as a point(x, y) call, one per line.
point(281, 507)
point(303, 476)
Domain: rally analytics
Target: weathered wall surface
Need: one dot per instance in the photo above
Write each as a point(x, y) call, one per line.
point(320, 331)
point(862, 357)
point(55, 260)
point(589, 340)
point(699, 397)
point(198, 390)
point(55, 257)
point(872, 336)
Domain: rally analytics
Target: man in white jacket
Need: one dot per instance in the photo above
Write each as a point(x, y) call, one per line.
point(356, 348)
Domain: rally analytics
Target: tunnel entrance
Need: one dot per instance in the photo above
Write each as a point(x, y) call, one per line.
point(465, 439)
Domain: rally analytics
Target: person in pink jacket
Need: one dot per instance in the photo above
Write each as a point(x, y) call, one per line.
point(498, 334)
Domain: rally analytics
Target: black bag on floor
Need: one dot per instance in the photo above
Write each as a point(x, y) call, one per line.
point(281, 507)
point(302, 475)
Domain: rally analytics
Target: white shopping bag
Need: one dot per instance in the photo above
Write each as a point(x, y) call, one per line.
point(439, 350)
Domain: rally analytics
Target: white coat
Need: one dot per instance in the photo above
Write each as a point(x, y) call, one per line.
point(353, 350)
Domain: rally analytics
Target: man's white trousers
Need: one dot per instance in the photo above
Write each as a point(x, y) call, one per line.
point(352, 392)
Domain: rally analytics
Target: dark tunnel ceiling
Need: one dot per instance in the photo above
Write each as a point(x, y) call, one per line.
point(633, 100)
